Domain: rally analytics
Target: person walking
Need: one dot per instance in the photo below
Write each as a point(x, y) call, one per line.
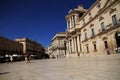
point(11, 58)
point(108, 51)
point(27, 58)
point(116, 50)
point(7, 58)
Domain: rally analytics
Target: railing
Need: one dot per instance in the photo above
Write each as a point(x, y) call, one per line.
point(92, 35)
point(109, 26)
point(105, 29)
point(58, 46)
point(101, 30)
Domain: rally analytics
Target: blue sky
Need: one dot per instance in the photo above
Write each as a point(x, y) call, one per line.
point(37, 20)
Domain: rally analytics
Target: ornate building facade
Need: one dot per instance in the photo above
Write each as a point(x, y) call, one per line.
point(58, 45)
point(10, 47)
point(94, 31)
point(31, 47)
point(49, 50)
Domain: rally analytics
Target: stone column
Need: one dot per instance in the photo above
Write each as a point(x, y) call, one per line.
point(75, 47)
point(69, 46)
point(70, 22)
point(68, 25)
point(78, 43)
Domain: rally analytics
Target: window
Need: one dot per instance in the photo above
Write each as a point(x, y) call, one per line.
point(68, 24)
point(106, 44)
point(102, 26)
point(80, 14)
point(74, 20)
point(83, 21)
point(85, 36)
point(92, 31)
point(87, 48)
point(90, 17)
point(114, 19)
point(89, 14)
point(99, 6)
point(95, 49)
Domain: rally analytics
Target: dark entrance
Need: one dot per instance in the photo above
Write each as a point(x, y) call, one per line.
point(106, 44)
point(117, 36)
point(107, 48)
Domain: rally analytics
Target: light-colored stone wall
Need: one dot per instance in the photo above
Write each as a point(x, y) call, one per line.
point(58, 45)
point(100, 12)
point(30, 46)
point(49, 50)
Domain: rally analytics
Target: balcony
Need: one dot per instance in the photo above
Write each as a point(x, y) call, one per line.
point(58, 46)
point(92, 35)
point(109, 27)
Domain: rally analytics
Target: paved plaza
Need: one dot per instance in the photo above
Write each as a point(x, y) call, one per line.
point(103, 67)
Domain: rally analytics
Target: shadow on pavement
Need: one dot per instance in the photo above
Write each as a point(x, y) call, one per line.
point(4, 73)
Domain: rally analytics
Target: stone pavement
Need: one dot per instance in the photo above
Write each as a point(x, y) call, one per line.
point(103, 67)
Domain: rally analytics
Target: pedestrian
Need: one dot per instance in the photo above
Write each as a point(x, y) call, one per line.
point(116, 50)
point(27, 58)
point(108, 51)
point(57, 56)
point(11, 58)
point(7, 58)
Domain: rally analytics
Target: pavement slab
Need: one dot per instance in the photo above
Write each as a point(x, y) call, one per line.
point(102, 67)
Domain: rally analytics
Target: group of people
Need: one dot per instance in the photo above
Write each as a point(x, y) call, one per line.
point(117, 50)
point(9, 58)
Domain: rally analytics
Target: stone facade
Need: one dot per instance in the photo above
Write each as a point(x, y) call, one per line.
point(31, 47)
point(10, 47)
point(58, 45)
point(94, 31)
point(49, 50)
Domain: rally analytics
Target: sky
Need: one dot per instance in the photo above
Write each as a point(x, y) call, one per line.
point(38, 20)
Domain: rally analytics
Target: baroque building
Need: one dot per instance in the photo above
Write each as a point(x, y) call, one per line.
point(94, 31)
point(49, 50)
point(31, 47)
point(10, 47)
point(58, 45)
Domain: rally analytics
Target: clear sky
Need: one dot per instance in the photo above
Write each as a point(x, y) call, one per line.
point(37, 20)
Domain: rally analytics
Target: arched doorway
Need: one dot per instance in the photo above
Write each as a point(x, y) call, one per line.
point(105, 39)
point(117, 37)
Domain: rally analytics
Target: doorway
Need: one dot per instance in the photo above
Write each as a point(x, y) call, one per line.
point(106, 44)
point(117, 37)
